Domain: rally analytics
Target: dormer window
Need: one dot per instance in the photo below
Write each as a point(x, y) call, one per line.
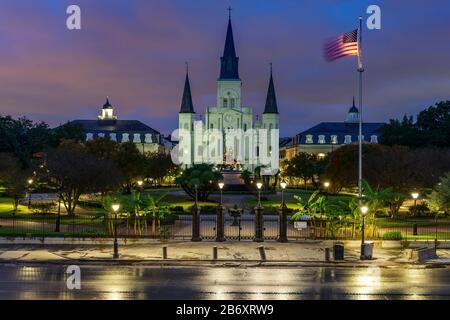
point(309, 138)
point(101, 135)
point(125, 137)
point(113, 137)
point(89, 136)
point(137, 138)
point(334, 139)
point(321, 139)
point(348, 139)
point(373, 139)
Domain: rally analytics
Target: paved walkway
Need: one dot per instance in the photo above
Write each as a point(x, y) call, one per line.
point(189, 253)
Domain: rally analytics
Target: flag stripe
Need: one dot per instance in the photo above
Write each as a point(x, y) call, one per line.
point(342, 46)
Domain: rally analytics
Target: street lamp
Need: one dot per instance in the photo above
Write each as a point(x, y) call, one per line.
point(30, 182)
point(115, 207)
point(364, 209)
point(140, 183)
point(221, 185)
point(283, 186)
point(259, 186)
point(326, 185)
point(415, 195)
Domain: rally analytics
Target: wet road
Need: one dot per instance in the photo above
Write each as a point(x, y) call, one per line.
point(124, 282)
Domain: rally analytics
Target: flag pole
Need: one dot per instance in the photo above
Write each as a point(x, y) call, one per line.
point(360, 72)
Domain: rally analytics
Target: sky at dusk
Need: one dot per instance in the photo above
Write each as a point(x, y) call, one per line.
point(134, 51)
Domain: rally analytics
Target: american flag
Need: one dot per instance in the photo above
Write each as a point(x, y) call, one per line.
point(343, 46)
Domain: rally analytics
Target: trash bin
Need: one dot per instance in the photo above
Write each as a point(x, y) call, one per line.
point(338, 251)
point(367, 251)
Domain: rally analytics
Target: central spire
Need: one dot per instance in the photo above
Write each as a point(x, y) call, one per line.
point(229, 68)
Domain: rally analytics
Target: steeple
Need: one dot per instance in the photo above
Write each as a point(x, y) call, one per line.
point(229, 62)
point(271, 100)
point(186, 102)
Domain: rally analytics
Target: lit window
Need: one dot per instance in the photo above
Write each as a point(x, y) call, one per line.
point(137, 138)
point(309, 138)
point(373, 139)
point(113, 137)
point(125, 137)
point(321, 139)
point(89, 136)
point(348, 139)
point(148, 138)
point(334, 139)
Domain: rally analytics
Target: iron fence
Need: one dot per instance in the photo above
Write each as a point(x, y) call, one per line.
point(239, 228)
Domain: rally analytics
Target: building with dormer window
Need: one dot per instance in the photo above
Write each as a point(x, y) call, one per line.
point(328, 136)
point(108, 125)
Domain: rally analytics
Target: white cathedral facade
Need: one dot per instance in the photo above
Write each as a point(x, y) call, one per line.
point(230, 137)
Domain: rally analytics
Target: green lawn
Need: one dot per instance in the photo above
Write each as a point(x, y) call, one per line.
point(6, 207)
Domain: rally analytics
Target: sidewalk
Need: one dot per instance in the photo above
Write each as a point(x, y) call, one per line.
point(310, 253)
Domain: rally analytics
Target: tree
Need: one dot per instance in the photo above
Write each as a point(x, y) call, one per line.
point(432, 128)
point(306, 166)
point(398, 167)
point(132, 164)
point(159, 166)
point(68, 131)
point(22, 137)
point(75, 172)
point(202, 177)
point(13, 177)
point(440, 196)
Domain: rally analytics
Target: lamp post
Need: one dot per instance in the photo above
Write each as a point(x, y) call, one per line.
point(282, 232)
point(326, 185)
point(30, 182)
point(220, 229)
point(364, 209)
point(259, 186)
point(415, 195)
point(259, 223)
point(196, 218)
point(115, 207)
point(221, 185)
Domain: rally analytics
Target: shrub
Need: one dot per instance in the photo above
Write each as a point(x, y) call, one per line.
point(42, 207)
point(393, 235)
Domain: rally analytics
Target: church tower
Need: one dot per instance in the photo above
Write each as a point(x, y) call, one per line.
point(186, 119)
point(270, 122)
point(229, 84)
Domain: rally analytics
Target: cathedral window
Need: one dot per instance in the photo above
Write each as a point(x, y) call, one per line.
point(373, 139)
point(225, 103)
point(348, 139)
point(321, 139)
point(309, 138)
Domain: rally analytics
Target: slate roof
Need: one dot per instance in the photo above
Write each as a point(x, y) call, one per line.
point(340, 129)
point(107, 126)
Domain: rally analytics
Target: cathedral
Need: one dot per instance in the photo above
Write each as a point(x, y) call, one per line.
point(229, 136)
